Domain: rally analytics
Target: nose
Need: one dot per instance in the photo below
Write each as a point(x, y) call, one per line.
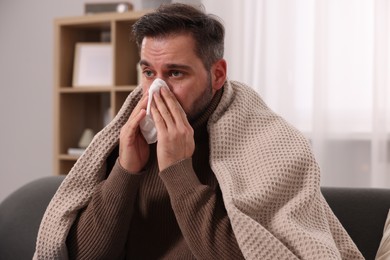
point(165, 79)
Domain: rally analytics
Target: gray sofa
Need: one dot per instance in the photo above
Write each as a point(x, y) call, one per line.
point(362, 212)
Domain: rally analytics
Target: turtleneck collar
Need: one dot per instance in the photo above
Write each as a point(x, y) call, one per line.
point(199, 124)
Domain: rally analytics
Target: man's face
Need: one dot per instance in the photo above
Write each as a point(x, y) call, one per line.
point(173, 59)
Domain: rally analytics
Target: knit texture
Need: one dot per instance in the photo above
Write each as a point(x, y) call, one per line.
point(268, 176)
point(383, 252)
point(177, 213)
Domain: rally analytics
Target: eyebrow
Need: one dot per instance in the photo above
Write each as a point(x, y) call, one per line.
point(179, 66)
point(168, 66)
point(144, 62)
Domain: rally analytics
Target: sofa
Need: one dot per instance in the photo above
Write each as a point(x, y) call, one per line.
point(362, 211)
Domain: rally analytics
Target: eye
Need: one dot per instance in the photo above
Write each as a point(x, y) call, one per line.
point(176, 74)
point(148, 73)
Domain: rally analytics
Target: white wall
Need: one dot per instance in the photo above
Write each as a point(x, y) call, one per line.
point(26, 89)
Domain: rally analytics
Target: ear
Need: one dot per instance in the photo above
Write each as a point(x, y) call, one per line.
point(218, 74)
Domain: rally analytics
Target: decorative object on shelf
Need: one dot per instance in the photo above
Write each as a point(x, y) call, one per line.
point(148, 4)
point(105, 36)
point(119, 7)
point(93, 65)
point(86, 138)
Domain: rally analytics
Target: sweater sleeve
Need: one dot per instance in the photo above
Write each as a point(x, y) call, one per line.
point(200, 213)
point(100, 230)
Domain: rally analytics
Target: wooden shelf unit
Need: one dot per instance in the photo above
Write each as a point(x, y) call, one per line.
point(89, 107)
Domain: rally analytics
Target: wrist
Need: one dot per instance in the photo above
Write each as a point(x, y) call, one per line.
point(130, 170)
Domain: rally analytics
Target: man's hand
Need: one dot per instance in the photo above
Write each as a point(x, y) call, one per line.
point(133, 149)
point(174, 133)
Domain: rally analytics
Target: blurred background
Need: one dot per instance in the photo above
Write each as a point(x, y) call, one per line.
point(321, 64)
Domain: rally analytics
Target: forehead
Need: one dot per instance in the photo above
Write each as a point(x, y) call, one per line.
point(172, 44)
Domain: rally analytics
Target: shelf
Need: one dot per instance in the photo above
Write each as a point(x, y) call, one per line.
point(67, 157)
point(85, 89)
point(93, 107)
point(82, 21)
point(99, 89)
point(125, 88)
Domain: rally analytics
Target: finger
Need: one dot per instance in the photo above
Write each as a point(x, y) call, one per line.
point(174, 106)
point(142, 104)
point(132, 126)
point(163, 110)
point(158, 120)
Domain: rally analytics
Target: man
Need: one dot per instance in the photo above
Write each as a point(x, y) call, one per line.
point(227, 178)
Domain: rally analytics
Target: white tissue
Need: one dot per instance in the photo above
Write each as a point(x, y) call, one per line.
point(148, 129)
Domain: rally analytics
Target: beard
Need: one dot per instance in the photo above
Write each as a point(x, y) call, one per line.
point(202, 102)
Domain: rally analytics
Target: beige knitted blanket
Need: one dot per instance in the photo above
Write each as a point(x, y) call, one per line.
point(267, 173)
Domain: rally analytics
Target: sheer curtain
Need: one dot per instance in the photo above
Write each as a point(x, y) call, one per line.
point(324, 66)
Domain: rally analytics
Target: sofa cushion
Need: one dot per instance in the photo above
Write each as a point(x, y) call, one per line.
point(20, 215)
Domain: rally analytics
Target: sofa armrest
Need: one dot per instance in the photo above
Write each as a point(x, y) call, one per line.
point(362, 212)
point(21, 214)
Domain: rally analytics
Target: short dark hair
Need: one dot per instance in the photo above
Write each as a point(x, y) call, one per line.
point(170, 19)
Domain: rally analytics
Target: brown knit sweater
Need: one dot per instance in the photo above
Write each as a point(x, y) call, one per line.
point(175, 214)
